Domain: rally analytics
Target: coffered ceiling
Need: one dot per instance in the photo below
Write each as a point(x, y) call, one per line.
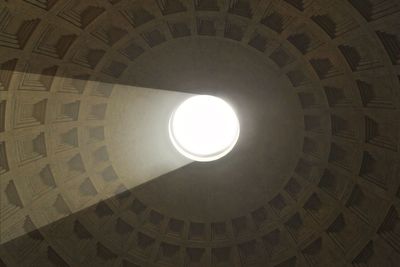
point(87, 174)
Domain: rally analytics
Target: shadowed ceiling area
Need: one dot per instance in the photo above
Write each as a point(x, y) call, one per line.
point(88, 176)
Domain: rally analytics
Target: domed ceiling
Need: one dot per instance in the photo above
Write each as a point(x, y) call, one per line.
point(88, 176)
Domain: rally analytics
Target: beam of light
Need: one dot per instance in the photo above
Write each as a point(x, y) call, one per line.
point(135, 142)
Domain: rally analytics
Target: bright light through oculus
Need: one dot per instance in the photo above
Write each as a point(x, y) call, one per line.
point(204, 128)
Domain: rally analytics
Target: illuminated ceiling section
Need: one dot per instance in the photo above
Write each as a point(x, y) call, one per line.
point(86, 149)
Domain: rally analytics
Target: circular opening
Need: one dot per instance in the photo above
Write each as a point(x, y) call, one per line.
point(204, 128)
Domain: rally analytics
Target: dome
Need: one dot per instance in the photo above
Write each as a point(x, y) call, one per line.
point(89, 175)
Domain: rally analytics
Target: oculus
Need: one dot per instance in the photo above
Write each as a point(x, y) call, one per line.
point(204, 128)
